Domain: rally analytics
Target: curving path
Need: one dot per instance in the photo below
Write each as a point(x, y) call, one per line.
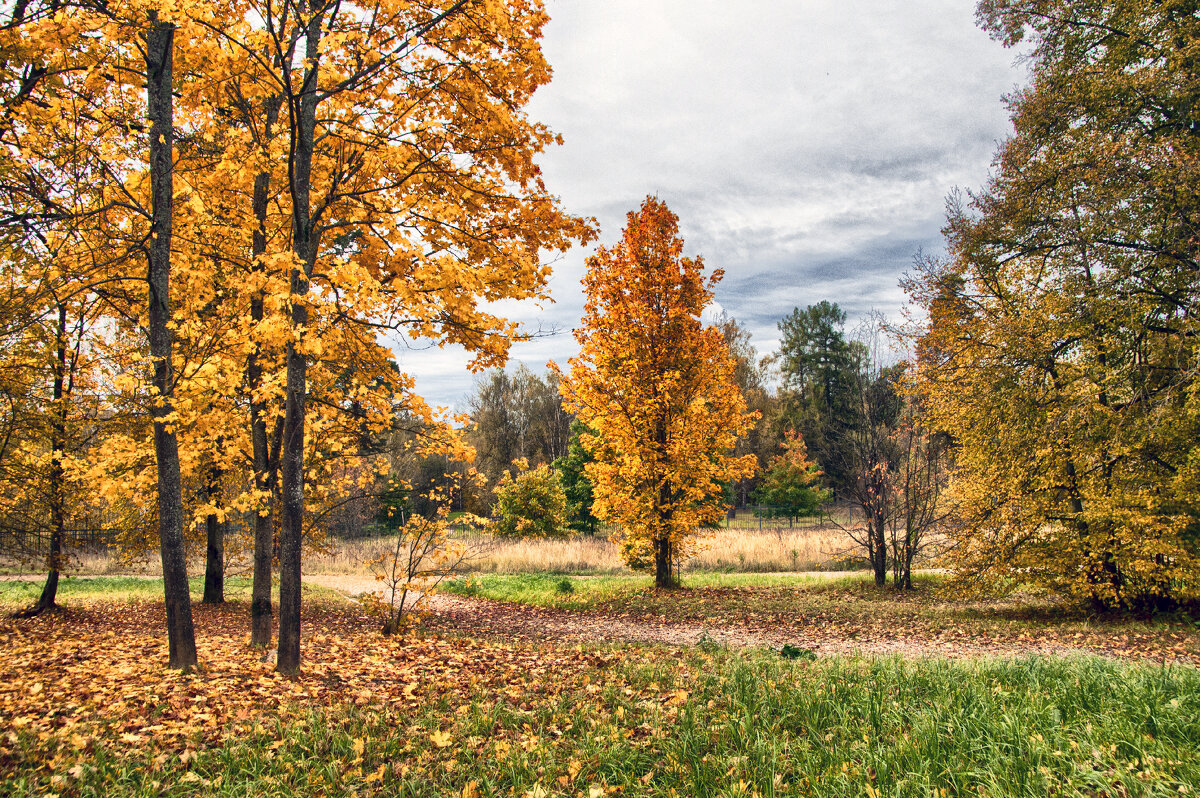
point(487, 618)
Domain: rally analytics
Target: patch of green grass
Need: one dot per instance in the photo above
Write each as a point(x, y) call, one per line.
point(718, 723)
point(19, 593)
point(592, 592)
point(547, 590)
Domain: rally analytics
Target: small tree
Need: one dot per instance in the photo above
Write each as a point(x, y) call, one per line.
point(531, 504)
point(422, 556)
point(572, 473)
point(657, 387)
point(918, 487)
point(871, 461)
point(421, 559)
point(792, 481)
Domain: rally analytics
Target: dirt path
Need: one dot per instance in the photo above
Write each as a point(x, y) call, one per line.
point(487, 618)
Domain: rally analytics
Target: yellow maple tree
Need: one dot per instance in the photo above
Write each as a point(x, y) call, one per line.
point(656, 387)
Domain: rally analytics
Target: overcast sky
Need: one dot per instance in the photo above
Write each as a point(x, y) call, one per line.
point(806, 145)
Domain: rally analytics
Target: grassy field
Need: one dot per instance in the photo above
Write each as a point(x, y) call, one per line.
point(849, 612)
point(435, 717)
point(744, 550)
point(745, 545)
point(587, 592)
point(91, 710)
point(74, 590)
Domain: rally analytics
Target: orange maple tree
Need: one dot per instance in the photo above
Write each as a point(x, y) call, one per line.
point(656, 386)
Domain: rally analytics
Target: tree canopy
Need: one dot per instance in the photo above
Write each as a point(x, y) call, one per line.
point(656, 386)
point(1060, 353)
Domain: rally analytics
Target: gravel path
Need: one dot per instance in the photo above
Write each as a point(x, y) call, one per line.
point(487, 618)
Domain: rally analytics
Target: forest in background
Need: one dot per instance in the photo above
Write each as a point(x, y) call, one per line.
point(206, 233)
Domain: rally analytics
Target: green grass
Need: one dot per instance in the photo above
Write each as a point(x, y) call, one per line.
point(591, 592)
point(15, 594)
point(725, 724)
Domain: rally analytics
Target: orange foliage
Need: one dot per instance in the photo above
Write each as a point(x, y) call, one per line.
point(656, 386)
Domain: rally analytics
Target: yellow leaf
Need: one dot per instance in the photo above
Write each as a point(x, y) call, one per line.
point(440, 738)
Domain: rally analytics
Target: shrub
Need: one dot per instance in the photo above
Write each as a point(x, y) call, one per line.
point(530, 505)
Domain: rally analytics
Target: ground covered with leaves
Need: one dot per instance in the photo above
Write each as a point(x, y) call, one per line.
point(90, 709)
point(829, 615)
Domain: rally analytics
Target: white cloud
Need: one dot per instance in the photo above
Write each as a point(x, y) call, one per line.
point(806, 146)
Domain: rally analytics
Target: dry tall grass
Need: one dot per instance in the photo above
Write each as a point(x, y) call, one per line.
point(741, 546)
point(800, 549)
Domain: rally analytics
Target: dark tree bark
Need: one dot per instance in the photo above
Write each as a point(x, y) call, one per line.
point(302, 108)
point(306, 239)
point(181, 637)
point(58, 445)
point(261, 615)
point(266, 460)
point(215, 526)
point(879, 562)
point(663, 556)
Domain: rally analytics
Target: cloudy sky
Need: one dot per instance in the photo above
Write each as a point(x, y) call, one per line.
point(806, 145)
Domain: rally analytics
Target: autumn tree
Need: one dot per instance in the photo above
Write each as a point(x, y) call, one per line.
point(656, 386)
point(530, 504)
point(793, 481)
point(1060, 351)
point(517, 414)
point(48, 411)
point(46, 341)
point(341, 170)
point(917, 487)
point(84, 57)
point(409, 193)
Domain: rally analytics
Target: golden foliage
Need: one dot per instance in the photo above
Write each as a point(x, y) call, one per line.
point(656, 388)
point(1061, 348)
point(531, 504)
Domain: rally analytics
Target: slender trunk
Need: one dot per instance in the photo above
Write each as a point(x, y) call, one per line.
point(181, 635)
point(292, 504)
point(58, 436)
point(663, 554)
point(663, 577)
point(305, 240)
point(215, 526)
point(880, 546)
point(265, 467)
point(261, 615)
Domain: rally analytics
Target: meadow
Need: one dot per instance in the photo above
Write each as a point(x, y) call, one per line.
point(746, 544)
point(452, 709)
point(473, 703)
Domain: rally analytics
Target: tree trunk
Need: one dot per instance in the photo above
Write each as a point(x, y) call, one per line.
point(880, 547)
point(160, 107)
point(58, 445)
point(303, 110)
point(291, 529)
point(663, 575)
point(214, 562)
point(265, 467)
